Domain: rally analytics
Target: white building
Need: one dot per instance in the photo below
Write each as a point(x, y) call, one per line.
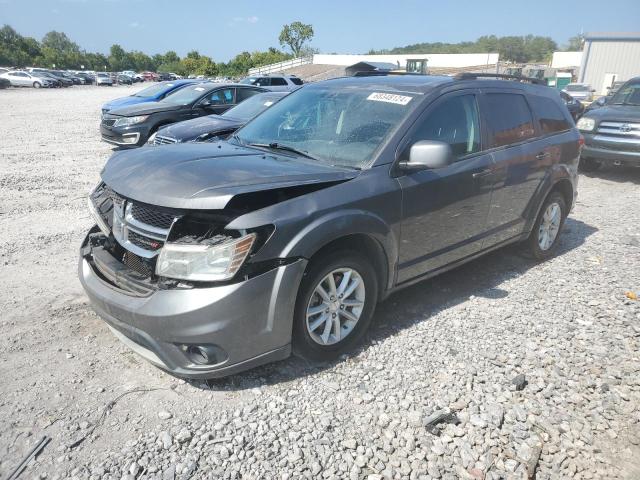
point(608, 57)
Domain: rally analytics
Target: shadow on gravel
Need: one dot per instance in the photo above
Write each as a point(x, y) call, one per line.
point(479, 278)
point(616, 174)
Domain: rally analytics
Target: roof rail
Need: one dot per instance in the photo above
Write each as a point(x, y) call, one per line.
point(520, 78)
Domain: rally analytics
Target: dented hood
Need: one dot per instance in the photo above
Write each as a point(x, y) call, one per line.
point(207, 176)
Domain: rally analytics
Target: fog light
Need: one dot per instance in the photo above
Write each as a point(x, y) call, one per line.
point(204, 354)
point(130, 138)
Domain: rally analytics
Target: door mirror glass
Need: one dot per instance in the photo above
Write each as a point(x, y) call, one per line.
point(428, 154)
point(601, 101)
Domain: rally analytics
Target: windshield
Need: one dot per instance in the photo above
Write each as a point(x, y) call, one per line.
point(341, 127)
point(249, 80)
point(576, 88)
point(629, 94)
point(186, 95)
point(153, 90)
point(252, 106)
point(102, 75)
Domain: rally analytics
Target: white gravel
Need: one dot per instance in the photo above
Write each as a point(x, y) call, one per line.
point(452, 344)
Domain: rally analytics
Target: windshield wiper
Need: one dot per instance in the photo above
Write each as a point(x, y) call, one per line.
point(286, 148)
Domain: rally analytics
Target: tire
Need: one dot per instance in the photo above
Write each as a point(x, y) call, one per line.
point(541, 246)
point(37, 85)
point(312, 346)
point(589, 165)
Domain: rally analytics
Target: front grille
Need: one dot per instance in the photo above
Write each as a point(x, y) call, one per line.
point(138, 264)
point(625, 129)
point(161, 140)
point(143, 241)
point(152, 217)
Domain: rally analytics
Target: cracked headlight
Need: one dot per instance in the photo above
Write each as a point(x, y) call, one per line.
point(127, 121)
point(205, 263)
point(586, 124)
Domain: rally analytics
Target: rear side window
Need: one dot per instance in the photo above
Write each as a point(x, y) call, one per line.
point(454, 121)
point(549, 115)
point(296, 81)
point(243, 93)
point(278, 82)
point(509, 118)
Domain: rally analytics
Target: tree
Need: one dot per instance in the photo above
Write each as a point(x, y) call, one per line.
point(295, 35)
point(61, 51)
point(575, 43)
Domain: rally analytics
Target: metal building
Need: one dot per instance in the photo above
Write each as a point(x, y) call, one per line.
point(609, 57)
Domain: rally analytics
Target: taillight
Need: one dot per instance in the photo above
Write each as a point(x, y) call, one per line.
point(580, 142)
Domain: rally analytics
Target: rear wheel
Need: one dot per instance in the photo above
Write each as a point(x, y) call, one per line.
point(546, 231)
point(589, 165)
point(37, 84)
point(334, 306)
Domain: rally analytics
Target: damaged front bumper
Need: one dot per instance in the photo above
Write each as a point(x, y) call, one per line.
point(239, 325)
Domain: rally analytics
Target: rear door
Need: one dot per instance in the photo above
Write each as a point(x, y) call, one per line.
point(445, 209)
point(279, 84)
point(521, 160)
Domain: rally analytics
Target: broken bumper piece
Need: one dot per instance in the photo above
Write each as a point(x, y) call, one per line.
point(207, 332)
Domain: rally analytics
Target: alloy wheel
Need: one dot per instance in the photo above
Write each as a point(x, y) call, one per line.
point(549, 226)
point(335, 306)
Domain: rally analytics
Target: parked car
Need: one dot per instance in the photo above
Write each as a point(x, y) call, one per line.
point(612, 132)
point(579, 91)
point(19, 78)
point(133, 75)
point(104, 78)
point(75, 80)
point(86, 77)
point(212, 258)
point(124, 79)
point(275, 83)
point(4, 82)
point(57, 80)
point(131, 126)
point(150, 76)
point(575, 107)
point(217, 126)
point(152, 93)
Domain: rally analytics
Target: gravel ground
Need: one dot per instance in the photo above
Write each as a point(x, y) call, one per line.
point(459, 344)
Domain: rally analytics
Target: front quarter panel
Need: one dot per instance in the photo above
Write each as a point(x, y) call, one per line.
point(369, 204)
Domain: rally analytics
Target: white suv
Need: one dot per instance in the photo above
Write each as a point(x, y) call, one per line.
point(275, 83)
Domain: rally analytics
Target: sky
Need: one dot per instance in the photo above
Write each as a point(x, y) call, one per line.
point(222, 29)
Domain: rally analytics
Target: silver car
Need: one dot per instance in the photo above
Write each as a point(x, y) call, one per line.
point(25, 79)
point(580, 91)
point(103, 78)
point(275, 83)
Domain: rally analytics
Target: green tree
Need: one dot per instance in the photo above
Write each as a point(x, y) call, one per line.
point(16, 50)
point(61, 51)
point(575, 43)
point(295, 36)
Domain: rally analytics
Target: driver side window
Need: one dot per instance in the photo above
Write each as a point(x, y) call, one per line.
point(454, 121)
point(221, 97)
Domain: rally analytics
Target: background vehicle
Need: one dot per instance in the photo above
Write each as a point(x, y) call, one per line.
point(287, 235)
point(217, 126)
point(87, 78)
point(612, 132)
point(24, 79)
point(132, 125)
point(58, 80)
point(152, 93)
point(576, 108)
point(103, 78)
point(150, 76)
point(275, 83)
point(579, 91)
point(124, 79)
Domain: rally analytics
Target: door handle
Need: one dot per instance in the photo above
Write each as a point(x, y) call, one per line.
point(483, 173)
point(542, 155)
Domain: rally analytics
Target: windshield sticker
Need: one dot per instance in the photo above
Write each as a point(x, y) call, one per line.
point(389, 98)
point(199, 89)
point(268, 104)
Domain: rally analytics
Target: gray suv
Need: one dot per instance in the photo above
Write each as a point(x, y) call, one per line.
point(208, 259)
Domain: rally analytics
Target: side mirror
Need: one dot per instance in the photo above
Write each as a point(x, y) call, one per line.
point(602, 101)
point(427, 154)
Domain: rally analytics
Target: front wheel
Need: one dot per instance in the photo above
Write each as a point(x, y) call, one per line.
point(37, 84)
point(335, 304)
point(546, 231)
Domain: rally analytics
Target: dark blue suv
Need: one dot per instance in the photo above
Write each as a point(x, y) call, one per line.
point(155, 92)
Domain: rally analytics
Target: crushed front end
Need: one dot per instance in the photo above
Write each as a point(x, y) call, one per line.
point(182, 291)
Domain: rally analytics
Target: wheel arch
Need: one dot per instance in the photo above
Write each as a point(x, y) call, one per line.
point(359, 231)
